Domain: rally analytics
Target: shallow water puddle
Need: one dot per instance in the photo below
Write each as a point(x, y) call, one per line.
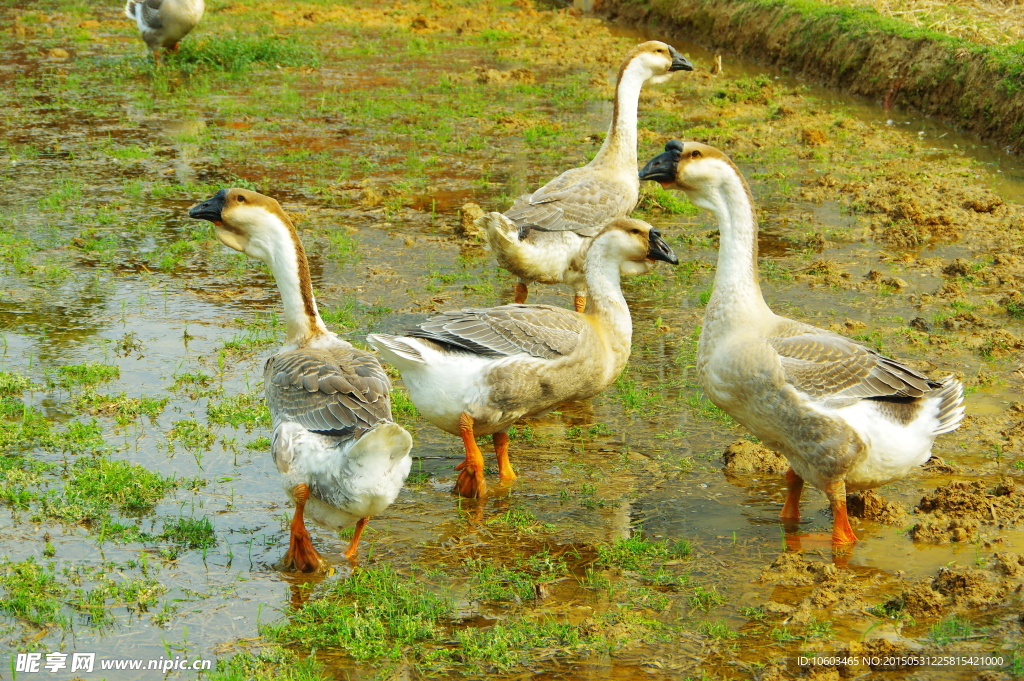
point(624, 550)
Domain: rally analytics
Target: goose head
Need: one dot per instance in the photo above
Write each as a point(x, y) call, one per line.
point(635, 244)
point(656, 61)
point(694, 168)
point(247, 221)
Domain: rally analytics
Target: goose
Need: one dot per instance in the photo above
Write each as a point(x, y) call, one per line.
point(846, 417)
point(163, 23)
point(474, 372)
point(544, 235)
point(341, 457)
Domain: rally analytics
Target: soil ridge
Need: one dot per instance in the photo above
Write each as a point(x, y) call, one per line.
point(979, 88)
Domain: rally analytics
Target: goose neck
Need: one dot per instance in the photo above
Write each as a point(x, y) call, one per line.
point(286, 258)
point(619, 148)
point(737, 291)
point(604, 293)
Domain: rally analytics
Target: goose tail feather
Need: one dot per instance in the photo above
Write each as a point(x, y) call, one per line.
point(129, 9)
point(951, 405)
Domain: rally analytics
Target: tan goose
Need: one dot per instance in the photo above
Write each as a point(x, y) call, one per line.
point(162, 23)
point(341, 457)
point(844, 416)
point(475, 372)
point(544, 235)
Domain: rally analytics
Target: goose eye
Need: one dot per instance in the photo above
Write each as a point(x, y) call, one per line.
point(695, 154)
point(241, 199)
point(634, 231)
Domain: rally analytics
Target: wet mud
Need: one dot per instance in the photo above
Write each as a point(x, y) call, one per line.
point(141, 512)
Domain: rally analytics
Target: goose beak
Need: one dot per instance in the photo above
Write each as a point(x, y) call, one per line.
point(661, 168)
point(210, 209)
point(659, 250)
point(679, 62)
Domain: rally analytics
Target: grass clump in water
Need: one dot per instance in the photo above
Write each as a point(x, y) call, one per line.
point(246, 409)
point(86, 374)
point(96, 485)
point(190, 533)
point(122, 408)
point(372, 615)
point(636, 552)
point(13, 383)
point(238, 53)
point(272, 663)
point(192, 435)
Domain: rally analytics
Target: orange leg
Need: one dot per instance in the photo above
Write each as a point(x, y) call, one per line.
point(842, 533)
point(580, 302)
point(795, 485)
point(504, 465)
point(470, 483)
point(301, 553)
point(520, 292)
point(353, 546)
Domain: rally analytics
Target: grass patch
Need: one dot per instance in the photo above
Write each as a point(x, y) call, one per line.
point(86, 374)
point(94, 486)
point(121, 408)
point(190, 533)
point(636, 552)
point(13, 383)
point(192, 435)
point(246, 409)
point(373, 615)
point(238, 53)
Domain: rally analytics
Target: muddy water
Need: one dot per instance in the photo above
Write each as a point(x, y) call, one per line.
point(102, 155)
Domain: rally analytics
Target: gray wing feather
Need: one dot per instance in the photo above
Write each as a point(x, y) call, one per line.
point(538, 330)
point(151, 13)
point(571, 203)
point(826, 365)
point(339, 391)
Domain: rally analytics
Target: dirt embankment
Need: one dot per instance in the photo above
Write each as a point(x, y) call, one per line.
point(977, 87)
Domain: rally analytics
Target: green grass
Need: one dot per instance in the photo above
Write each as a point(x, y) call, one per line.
point(13, 383)
point(192, 435)
point(38, 594)
point(636, 552)
point(190, 533)
point(376, 614)
point(95, 486)
point(245, 409)
point(122, 408)
point(86, 374)
point(239, 53)
point(951, 628)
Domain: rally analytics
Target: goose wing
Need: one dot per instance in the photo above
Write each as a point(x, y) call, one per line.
point(336, 392)
point(150, 12)
point(827, 366)
point(539, 330)
point(575, 202)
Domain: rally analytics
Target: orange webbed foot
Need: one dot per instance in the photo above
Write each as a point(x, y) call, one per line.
point(353, 546)
point(470, 483)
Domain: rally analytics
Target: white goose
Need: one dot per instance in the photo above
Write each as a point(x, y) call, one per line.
point(844, 416)
point(341, 456)
point(475, 372)
point(544, 236)
point(163, 23)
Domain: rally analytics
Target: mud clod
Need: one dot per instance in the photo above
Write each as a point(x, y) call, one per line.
point(918, 600)
point(870, 505)
point(791, 569)
point(468, 228)
point(743, 456)
point(965, 586)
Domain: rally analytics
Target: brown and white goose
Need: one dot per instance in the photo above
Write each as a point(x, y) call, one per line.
point(341, 456)
point(846, 417)
point(162, 23)
point(476, 372)
point(544, 236)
